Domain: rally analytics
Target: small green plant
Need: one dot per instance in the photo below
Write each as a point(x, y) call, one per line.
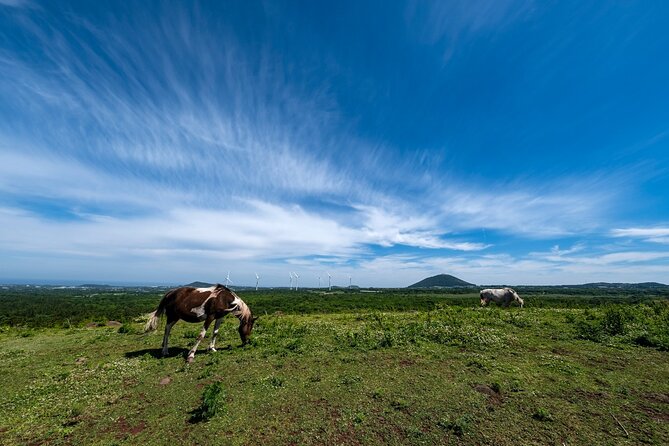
point(476, 364)
point(273, 381)
point(359, 418)
point(348, 379)
point(542, 414)
point(126, 328)
point(74, 415)
point(399, 404)
point(458, 426)
point(212, 403)
point(515, 385)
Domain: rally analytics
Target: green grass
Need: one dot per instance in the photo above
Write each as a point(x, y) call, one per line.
point(431, 374)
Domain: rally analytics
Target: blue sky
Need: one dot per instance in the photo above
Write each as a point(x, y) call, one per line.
point(513, 142)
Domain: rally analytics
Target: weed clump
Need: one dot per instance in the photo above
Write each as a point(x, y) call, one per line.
point(542, 414)
point(641, 324)
point(458, 426)
point(127, 328)
point(212, 403)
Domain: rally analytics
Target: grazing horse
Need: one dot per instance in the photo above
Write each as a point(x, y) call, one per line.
point(502, 296)
point(202, 304)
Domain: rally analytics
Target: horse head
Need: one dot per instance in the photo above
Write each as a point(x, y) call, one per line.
point(516, 297)
point(245, 327)
point(242, 311)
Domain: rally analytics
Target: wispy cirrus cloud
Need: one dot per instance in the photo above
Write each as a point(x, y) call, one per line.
point(546, 211)
point(408, 228)
point(15, 3)
point(653, 235)
point(237, 128)
point(448, 23)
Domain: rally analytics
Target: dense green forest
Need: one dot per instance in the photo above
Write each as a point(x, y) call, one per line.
point(65, 307)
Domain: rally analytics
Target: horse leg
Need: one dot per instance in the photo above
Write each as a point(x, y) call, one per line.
point(166, 336)
point(212, 343)
point(203, 332)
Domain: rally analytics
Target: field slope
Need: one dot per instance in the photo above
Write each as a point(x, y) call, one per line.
point(451, 373)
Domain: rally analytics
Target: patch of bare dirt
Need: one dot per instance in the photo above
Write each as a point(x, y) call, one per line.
point(655, 414)
point(560, 351)
point(332, 412)
point(610, 363)
point(579, 395)
point(124, 428)
point(657, 397)
point(494, 397)
point(348, 437)
point(113, 324)
point(165, 381)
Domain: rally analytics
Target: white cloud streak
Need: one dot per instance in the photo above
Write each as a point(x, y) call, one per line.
point(658, 235)
point(15, 3)
point(518, 209)
point(237, 129)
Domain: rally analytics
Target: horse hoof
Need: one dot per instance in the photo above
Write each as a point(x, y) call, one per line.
point(190, 359)
point(212, 350)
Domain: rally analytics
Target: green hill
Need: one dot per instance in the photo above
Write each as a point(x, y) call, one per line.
point(441, 281)
point(198, 284)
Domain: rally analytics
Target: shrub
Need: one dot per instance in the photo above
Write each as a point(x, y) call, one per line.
point(542, 414)
point(127, 328)
point(615, 319)
point(212, 403)
point(458, 426)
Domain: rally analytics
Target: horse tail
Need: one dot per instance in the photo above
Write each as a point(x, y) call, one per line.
point(152, 323)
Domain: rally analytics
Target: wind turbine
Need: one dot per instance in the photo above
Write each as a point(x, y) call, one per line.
point(227, 279)
point(257, 279)
point(291, 280)
point(329, 282)
point(319, 281)
point(296, 277)
point(349, 281)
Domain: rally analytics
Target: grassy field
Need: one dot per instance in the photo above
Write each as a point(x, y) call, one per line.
point(394, 367)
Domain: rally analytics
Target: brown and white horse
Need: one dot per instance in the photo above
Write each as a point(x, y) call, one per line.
point(201, 304)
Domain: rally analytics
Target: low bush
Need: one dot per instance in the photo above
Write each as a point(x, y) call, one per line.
point(212, 403)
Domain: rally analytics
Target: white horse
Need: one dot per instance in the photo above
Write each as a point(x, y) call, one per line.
point(502, 296)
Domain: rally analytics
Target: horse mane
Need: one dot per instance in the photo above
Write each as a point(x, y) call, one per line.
point(242, 312)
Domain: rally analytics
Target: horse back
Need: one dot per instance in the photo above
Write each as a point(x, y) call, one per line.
point(180, 302)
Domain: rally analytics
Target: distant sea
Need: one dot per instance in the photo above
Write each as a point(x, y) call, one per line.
point(65, 282)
